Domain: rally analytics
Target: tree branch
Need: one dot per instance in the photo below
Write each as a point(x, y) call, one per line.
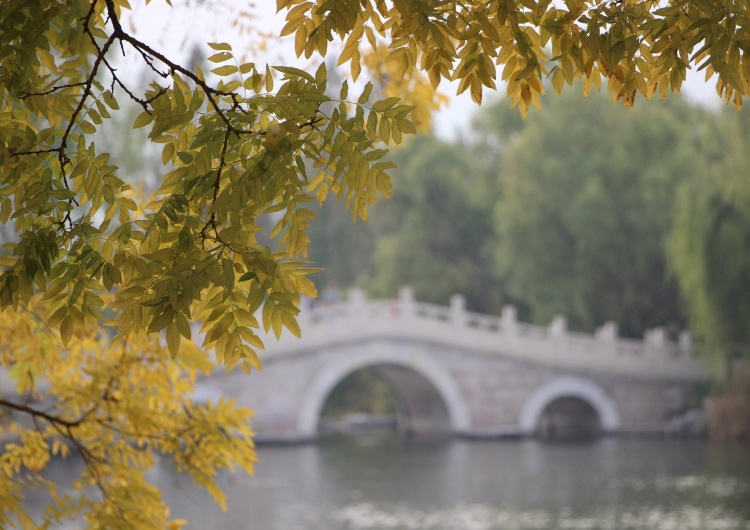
point(34, 413)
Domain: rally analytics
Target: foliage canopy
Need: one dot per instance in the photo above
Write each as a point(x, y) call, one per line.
point(119, 405)
point(639, 46)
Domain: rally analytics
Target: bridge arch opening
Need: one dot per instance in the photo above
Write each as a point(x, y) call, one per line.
point(426, 399)
point(390, 395)
point(569, 408)
point(362, 400)
point(568, 419)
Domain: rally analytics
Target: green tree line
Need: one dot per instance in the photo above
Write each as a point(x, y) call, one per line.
point(587, 210)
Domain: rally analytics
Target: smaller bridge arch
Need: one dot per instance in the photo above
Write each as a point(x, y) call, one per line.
point(407, 374)
point(569, 387)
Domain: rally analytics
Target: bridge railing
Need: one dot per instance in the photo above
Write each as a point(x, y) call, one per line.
point(504, 331)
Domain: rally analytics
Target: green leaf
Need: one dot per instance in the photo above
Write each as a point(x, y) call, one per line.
point(365, 94)
point(255, 299)
point(185, 158)
point(385, 104)
point(183, 326)
point(294, 72)
point(5, 210)
point(228, 270)
point(173, 339)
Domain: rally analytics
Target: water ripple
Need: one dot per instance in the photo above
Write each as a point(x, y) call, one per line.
point(361, 516)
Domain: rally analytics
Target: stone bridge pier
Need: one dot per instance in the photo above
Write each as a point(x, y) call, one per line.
point(469, 374)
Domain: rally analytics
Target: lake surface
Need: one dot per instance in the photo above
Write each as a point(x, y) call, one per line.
point(378, 481)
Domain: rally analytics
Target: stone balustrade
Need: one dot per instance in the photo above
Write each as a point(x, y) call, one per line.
point(604, 350)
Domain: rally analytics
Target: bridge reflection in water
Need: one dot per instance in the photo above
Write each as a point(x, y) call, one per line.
point(451, 370)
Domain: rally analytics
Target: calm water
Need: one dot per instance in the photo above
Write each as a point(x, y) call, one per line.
point(378, 481)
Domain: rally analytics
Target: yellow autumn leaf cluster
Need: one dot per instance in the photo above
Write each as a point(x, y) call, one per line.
point(638, 46)
point(412, 86)
point(117, 405)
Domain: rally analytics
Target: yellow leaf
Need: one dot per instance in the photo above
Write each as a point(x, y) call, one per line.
point(167, 153)
point(476, 91)
point(253, 359)
point(220, 46)
point(143, 119)
point(66, 329)
point(300, 40)
point(227, 69)
point(220, 57)
point(87, 127)
point(290, 322)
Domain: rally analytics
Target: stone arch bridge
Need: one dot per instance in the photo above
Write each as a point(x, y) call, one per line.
point(471, 374)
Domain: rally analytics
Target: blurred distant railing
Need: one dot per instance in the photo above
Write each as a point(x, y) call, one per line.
point(356, 317)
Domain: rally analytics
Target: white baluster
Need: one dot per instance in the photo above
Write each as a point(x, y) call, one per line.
point(458, 310)
point(406, 302)
point(509, 320)
point(558, 327)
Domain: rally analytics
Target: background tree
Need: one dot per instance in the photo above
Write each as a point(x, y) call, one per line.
point(340, 248)
point(709, 252)
point(431, 235)
point(710, 240)
point(581, 229)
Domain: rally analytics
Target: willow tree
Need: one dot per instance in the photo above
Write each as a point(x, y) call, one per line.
point(710, 239)
point(240, 145)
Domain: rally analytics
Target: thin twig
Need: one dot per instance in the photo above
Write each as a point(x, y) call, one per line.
point(53, 89)
point(217, 187)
